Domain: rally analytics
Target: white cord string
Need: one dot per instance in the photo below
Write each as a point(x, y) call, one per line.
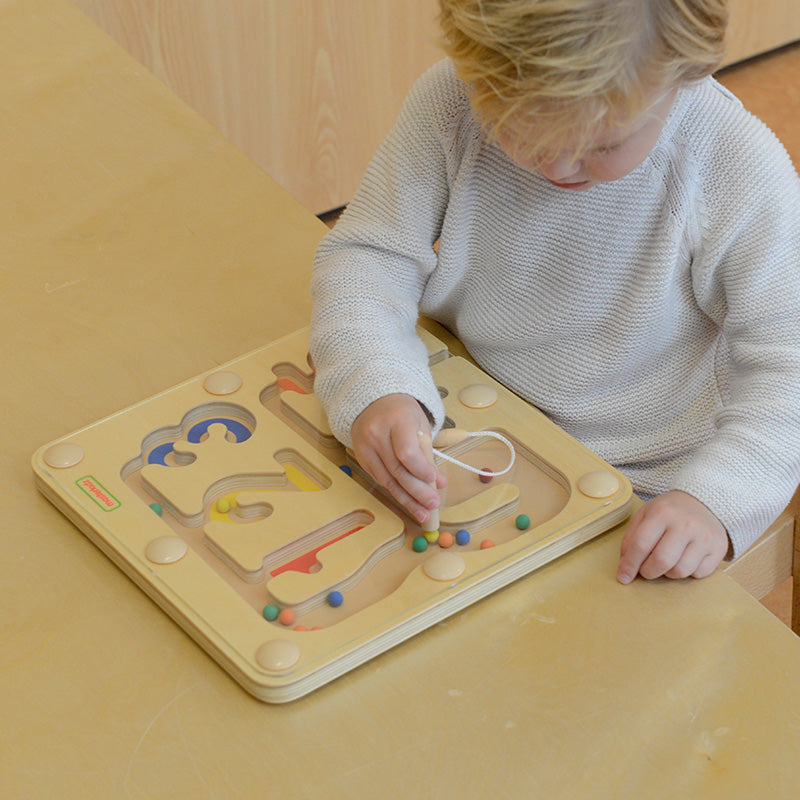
point(476, 470)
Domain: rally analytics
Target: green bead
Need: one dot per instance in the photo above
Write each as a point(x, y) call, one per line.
point(523, 522)
point(157, 508)
point(270, 612)
point(420, 544)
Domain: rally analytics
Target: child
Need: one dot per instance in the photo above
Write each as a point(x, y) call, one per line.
point(619, 244)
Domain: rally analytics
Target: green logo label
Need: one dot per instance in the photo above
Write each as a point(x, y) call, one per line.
point(98, 493)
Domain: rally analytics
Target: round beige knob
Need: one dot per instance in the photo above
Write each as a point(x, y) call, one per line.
point(598, 484)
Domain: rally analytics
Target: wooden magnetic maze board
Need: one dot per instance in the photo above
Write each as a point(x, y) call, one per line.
point(230, 503)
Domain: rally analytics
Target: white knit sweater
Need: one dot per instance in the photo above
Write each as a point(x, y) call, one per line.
point(655, 318)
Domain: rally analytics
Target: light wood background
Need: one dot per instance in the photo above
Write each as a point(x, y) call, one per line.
point(308, 88)
point(760, 25)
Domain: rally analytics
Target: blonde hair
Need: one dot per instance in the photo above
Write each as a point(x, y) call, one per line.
point(572, 65)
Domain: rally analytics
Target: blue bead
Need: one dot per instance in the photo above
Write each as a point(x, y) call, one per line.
point(346, 469)
point(462, 537)
point(335, 599)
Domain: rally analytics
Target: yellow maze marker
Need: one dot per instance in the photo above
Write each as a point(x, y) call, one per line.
point(297, 478)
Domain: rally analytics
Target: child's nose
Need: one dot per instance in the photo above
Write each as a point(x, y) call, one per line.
point(562, 167)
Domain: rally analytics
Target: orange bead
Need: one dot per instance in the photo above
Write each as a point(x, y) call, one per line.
point(286, 617)
point(486, 543)
point(445, 539)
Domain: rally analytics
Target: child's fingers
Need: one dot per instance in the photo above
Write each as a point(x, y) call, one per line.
point(410, 454)
point(701, 557)
point(666, 555)
point(421, 493)
point(386, 444)
point(388, 472)
point(688, 561)
point(399, 465)
point(673, 535)
point(639, 541)
point(651, 549)
point(707, 566)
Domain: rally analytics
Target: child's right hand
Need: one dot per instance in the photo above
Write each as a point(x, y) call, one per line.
point(388, 445)
point(673, 535)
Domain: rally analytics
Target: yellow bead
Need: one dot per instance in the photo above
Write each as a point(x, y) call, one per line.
point(432, 536)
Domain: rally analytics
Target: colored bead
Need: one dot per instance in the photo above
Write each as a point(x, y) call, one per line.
point(286, 617)
point(445, 539)
point(484, 477)
point(270, 612)
point(223, 505)
point(335, 599)
point(523, 522)
point(346, 469)
point(157, 508)
point(431, 536)
point(486, 544)
point(462, 537)
point(420, 544)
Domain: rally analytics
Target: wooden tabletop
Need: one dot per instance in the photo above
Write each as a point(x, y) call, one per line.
point(139, 248)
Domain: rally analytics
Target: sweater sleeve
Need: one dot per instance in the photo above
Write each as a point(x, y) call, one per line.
point(371, 269)
point(746, 273)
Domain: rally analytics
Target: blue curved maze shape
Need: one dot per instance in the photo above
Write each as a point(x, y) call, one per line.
point(158, 455)
point(196, 432)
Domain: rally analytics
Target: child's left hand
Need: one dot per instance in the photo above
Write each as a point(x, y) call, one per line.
point(673, 535)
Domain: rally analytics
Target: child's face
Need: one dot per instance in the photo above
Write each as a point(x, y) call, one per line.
point(612, 153)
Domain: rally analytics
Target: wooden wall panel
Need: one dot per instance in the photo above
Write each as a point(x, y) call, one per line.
point(308, 88)
point(760, 25)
